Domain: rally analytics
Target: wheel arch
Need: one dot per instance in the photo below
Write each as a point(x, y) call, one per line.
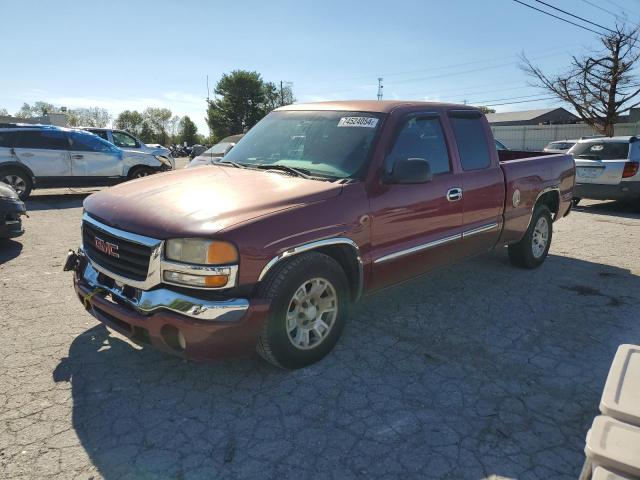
point(21, 166)
point(549, 197)
point(343, 250)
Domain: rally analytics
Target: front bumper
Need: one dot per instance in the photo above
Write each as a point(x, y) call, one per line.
point(620, 191)
point(207, 329)
point(11, 219)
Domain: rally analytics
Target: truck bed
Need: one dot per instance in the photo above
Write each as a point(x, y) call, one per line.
point(528, 175)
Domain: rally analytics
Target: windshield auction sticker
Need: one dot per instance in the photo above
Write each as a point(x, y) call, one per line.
point(367, 122)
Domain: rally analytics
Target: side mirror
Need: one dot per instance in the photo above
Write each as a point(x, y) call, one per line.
point(410, 170)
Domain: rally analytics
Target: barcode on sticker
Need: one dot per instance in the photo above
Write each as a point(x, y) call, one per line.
point(367, 122)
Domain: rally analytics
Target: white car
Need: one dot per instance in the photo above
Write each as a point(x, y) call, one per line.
point(43, 156)
point(215, 153)
point(126, 141)
point(559, 146)
point(607, 168)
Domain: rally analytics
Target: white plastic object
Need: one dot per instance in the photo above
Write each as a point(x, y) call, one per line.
point(614, 445)
point(621, 394)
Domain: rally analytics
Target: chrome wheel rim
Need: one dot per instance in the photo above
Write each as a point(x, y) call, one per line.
point(141, 174)
point(540, 237)
point(311, 313)
point(16, 182)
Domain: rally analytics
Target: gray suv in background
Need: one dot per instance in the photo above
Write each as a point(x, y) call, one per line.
point(126, 141)
point(44, 156)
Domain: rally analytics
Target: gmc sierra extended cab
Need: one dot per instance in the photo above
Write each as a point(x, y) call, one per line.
point(317, 205)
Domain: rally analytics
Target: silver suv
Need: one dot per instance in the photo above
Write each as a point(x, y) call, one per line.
point(45, 156)
point(607, 168)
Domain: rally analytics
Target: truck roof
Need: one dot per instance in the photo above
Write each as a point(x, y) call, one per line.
point(373, 106)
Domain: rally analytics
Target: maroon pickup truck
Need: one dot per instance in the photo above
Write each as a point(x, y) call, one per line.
point(317, 205)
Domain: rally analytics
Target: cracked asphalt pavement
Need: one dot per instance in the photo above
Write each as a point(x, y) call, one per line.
point(474, 371)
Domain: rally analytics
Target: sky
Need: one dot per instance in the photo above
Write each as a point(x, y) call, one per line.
point(136, 54)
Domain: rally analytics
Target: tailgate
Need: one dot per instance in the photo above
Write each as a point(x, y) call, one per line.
point(603, 172)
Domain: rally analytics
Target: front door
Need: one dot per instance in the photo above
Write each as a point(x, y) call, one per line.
point(44, 151)
point(92, 156)
point(416, 227)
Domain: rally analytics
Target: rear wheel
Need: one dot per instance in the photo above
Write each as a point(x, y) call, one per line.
point(309, 306)
point(141, 172)
point(19, 180)
point(532, 250)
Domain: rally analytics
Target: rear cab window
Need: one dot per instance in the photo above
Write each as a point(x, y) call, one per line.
point(601, 150)
point(471, 139)
point(421, 137)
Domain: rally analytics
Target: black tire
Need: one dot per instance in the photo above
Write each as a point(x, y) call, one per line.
point(141, 172)
point(280, 285)
point(20, 175)
point(522, 253)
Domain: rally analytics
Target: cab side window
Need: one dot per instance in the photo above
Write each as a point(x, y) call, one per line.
point(124, 140)
point(471, 139)
point(41, 139)
point(421, 137)
point(101, 133)
point(87, 142)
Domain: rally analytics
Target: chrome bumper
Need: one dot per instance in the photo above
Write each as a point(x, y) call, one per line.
point(148, 302)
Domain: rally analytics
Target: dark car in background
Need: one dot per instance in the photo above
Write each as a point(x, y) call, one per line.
point(11, 211)
point(216, 152)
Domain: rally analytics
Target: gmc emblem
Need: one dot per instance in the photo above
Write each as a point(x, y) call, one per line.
point(106, 247)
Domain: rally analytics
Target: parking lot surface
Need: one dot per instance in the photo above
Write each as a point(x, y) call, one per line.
point(477, 370)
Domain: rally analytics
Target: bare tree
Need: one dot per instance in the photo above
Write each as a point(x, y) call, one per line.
point(600, 86)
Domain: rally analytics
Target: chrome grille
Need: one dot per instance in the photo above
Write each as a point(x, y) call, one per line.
point(132, 259)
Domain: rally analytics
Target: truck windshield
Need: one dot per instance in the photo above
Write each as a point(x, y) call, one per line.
point(321, 143)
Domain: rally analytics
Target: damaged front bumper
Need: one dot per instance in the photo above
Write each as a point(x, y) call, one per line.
point(11, 213)
point(180, 324)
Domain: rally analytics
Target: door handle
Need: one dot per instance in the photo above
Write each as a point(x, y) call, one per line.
point(77, 156)
point(454, 194)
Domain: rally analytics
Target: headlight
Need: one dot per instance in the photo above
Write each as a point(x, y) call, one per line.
point(163, 160)
point(200, 251)
point(200, 263)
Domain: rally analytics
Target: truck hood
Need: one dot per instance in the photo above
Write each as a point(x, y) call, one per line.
point(201, 201)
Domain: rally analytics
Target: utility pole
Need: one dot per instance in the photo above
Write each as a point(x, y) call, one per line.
point(380, 87)
point(281, 94)
point(208, 90)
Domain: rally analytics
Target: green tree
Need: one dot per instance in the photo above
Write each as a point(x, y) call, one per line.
point(146, 133)
point(188, 131)
point(38, 109)
point(278, 95)
point(88, 117)
point(131, 121)
point(241, 103)
point(486, 110)
point(158, 121)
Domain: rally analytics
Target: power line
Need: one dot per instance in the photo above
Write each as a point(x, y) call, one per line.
point(602, 8)
point(556, 16)
point(575, 16)
point(623, 9)
point(524, 101)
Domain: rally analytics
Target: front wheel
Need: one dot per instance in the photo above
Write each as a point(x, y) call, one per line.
point(141, 172)
point(532, 250)
point(309, 306)
point(17, 179)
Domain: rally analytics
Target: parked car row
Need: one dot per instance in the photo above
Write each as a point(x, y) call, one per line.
point(215, 153)
point(38, 156)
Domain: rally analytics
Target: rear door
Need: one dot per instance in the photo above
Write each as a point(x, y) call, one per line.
point(482, 181)
point(92, 156)
point(416, 227)
point(44, 151)
point(600, 162)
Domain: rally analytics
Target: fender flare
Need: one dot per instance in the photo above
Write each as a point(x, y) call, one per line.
point(306, 247)
point(21, 166)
